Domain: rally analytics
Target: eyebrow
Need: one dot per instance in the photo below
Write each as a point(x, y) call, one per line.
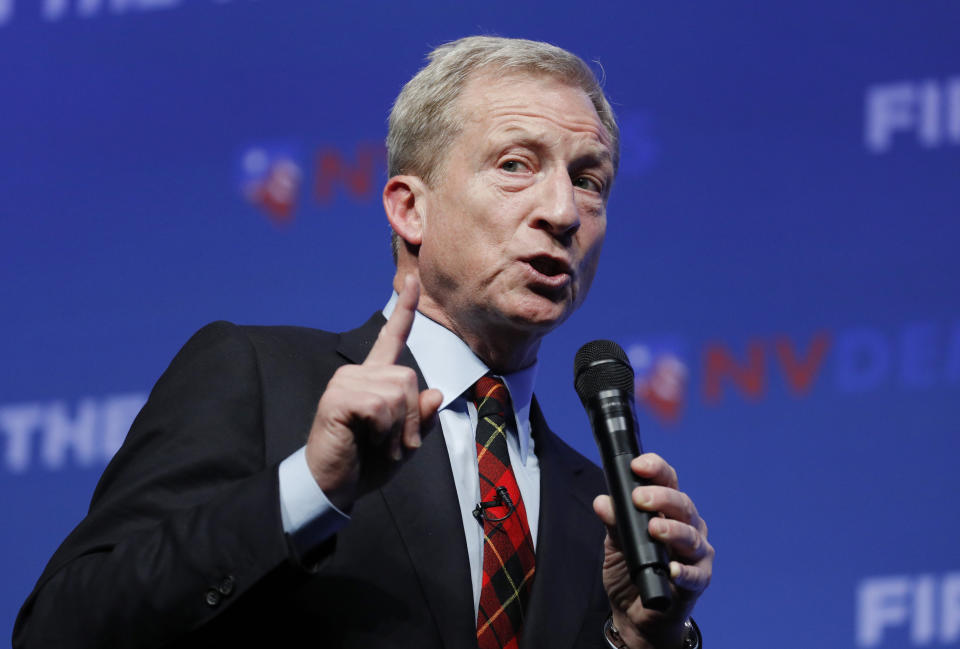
point(588, 160)
point(596, 157)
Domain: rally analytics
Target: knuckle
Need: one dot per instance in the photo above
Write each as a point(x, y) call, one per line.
point(705, 576)
point(688, 509)
point(660, 527)
point(375, 405)
point(408, 377)
point(342, 372)
point(394, 393)
point(696, 541)
point(650, 498)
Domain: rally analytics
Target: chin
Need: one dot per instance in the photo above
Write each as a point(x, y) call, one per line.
point(540, 315)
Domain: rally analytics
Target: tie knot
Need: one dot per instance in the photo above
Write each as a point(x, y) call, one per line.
point(490, 396)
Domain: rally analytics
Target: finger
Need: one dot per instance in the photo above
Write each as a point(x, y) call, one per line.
point(689, 577)
point(408, 410)
point(429, 403)
point(388, 390)
point(681, 540)
point(382, 421)
point(424, 406)
point(393, 335)
point(669, 502)
point(410, 432)
point(655, 469)
point(398, 414)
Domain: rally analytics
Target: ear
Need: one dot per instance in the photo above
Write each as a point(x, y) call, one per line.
point(404, 201)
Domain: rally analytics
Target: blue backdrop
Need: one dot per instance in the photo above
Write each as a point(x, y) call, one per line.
point(781, 261)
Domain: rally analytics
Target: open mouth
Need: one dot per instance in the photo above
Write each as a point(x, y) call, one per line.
point(549, 276)
point(549, 266)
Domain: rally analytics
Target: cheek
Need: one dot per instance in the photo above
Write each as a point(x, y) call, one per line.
point(475, 228)
point(452, 252)
point(591, 240)
point(591, 245)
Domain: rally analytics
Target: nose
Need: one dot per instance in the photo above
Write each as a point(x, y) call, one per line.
point(557, 211)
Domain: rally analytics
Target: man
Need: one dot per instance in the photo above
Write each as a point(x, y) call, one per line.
point(286, 484)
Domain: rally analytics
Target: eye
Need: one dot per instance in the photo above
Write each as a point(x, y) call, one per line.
point(512, 166)
point(588, 183)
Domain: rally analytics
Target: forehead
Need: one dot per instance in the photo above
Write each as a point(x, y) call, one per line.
point(490, 100)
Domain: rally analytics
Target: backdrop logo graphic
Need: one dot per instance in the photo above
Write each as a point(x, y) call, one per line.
point(919, 356)
point(799, 364)
point(270, 179)
point(270, 176)
point(661, 377)
point(358, 178)
point(60, 9)
point(922, 608)
point(926, 111)
point(54, 434)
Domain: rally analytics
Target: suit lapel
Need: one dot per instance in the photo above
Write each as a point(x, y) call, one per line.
point(564, 584)
point(422, 500)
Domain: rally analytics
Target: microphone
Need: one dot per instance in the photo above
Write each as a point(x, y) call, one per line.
point(603, 379)
point(502, 499)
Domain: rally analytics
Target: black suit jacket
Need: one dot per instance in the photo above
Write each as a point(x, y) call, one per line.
point(184, 546)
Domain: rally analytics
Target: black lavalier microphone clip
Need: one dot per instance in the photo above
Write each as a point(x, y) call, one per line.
point(502, 500)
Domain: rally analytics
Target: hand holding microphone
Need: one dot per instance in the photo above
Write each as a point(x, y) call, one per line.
point(658, 559)
point(603, 379)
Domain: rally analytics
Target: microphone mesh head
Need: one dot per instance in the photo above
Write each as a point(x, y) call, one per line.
point(601, 365)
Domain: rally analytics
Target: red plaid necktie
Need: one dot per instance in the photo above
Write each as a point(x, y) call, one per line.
point(508, 555)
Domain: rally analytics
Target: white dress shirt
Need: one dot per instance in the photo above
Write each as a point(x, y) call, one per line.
point(449, 365)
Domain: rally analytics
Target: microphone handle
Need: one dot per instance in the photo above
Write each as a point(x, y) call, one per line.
point(615, 429)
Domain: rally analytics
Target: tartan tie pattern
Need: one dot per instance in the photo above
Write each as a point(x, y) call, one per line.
point(508, 555)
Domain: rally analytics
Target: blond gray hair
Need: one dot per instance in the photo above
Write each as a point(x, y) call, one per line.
point(425, 121)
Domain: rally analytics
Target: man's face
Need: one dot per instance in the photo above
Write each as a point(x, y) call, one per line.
point(513, 228)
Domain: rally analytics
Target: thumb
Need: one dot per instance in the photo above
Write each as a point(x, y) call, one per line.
point(430, 401)
point(603, 507)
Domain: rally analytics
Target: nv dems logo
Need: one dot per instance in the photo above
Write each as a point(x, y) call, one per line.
point(670, 373)
point(270, 176)
point(661, 376)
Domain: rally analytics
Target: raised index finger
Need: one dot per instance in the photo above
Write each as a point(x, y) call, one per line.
point(393, 335)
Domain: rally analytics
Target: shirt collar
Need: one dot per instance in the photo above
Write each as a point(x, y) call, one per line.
point(448, 364)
